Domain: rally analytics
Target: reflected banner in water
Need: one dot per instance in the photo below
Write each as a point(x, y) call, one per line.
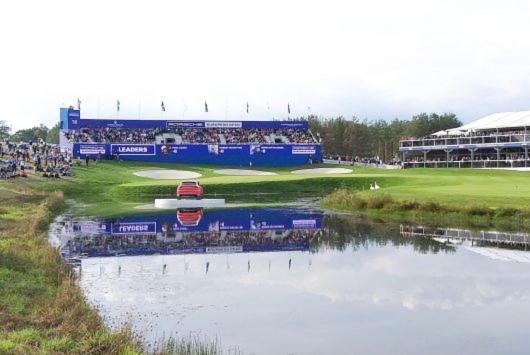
point(191, 231)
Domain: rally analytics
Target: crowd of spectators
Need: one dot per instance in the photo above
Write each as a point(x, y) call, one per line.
point(191, 135)
point(372, 161)
point(503, 135)
point(46, 159)
point(110, 242)
point(466, 158)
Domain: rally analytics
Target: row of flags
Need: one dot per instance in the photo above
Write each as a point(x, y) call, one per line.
point(163, 106)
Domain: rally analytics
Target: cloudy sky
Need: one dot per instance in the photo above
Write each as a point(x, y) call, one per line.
point(372, 59)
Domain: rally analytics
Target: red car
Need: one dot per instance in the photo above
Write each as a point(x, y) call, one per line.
point(189, 188)
point(189, 217)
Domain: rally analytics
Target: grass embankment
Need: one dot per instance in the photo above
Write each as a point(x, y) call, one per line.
point(111, 187)
point(429, 212)
point(41, 308)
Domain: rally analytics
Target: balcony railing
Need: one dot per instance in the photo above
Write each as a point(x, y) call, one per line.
point(455, 142)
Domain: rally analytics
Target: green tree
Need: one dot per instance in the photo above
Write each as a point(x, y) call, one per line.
point(5, 130)
point(370, 138)
point(30, 134)
point(53, 134)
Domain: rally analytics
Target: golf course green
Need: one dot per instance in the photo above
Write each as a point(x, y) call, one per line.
point(116, 182)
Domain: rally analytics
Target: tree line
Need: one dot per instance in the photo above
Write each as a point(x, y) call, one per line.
point(364, 138)
point(33, 134)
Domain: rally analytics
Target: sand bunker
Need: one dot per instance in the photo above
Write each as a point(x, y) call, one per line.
point(162, 174)
point(323, 171)
point(242, 172)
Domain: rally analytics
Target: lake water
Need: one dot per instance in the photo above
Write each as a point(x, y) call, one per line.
point(291, 281)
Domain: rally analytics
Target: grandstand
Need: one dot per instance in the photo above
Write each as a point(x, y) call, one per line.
point(242, 143)
point(499, 140)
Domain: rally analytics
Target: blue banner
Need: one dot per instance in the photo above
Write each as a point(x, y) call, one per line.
point(75, 122)
point(243, 155)
point(216, 220)
point(93, 149)
point(134, 228)
point(133, 149)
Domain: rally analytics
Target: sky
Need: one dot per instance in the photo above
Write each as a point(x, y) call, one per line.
point(377, 59)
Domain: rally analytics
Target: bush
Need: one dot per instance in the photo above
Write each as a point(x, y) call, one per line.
point(379, 201)
point(407, 205)
point(430, 206)
point(507, 212)
point(478, 210)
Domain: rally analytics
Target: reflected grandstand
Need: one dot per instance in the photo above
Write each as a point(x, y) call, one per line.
point(223, 231)
point(507, 246)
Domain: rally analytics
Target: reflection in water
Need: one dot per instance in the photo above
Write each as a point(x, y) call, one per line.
point(507, 246)
point(276, 281)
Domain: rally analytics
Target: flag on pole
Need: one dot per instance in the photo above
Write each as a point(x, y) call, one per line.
point(118, 105)
point(162, 106)
point(78, 104)
point(205, 106)
point(288, 108)
point(247, 106)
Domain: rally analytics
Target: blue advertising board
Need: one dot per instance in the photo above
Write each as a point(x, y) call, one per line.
point(133, 149)
point(219, 154)
point(216, 220)
point(71, 120)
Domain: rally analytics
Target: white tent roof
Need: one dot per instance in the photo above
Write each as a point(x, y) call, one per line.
point(494, 121)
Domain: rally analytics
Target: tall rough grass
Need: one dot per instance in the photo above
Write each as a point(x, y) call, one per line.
point(473, 213)
point(42, 310)
point(192, 345)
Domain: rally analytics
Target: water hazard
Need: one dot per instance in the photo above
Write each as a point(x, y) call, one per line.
point(280, 281)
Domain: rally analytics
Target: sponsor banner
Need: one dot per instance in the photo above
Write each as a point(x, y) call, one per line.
point(223, 124)
point(304, 223)
point(92, 149)
point(134, 228)
point(299, 125)
point(133, 149)
point(90, 228)
point(224, 249)
point(184, 124)
point(224, 227)
point(262, 149)
point(115, 124)
point(304, 149)
point(265, 226)
point(74, 120)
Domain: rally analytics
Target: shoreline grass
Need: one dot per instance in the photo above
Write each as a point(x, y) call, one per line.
point(383, 205)
point(42, 310)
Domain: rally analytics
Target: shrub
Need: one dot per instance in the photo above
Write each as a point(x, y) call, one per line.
point(507, 212)
point(407, 205)
point(431, 206)
point(379, 201)
point(478, 210)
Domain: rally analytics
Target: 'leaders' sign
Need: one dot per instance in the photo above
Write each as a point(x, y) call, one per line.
point(134, 228)
point(133, 149)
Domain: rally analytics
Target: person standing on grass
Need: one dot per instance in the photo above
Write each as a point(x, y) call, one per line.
point(86, 160)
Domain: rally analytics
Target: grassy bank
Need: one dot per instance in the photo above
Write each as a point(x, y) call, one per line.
point(114, 184)
point(41, 308)
point(429, 212)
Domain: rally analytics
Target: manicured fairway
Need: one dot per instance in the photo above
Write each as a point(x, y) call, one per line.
point(112, 181)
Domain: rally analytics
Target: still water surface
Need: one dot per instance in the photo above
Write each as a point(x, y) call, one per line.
point(281, 281)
